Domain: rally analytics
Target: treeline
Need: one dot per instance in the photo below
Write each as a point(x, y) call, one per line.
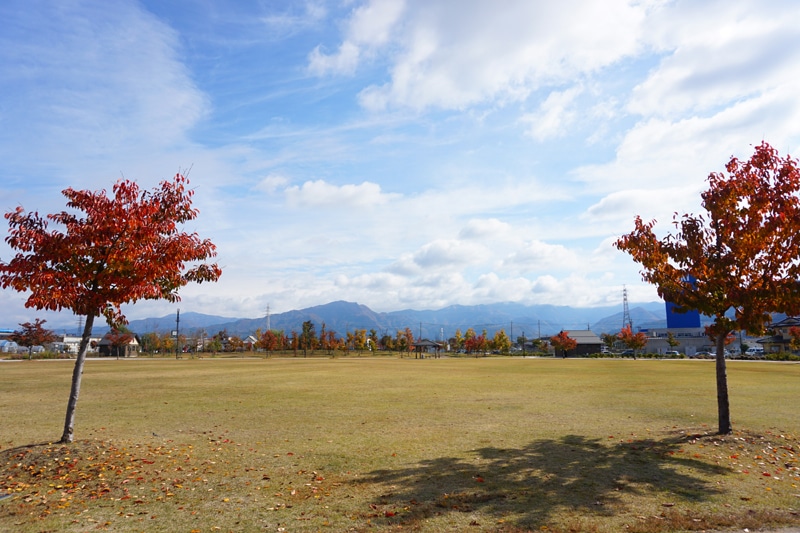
point(308, 339)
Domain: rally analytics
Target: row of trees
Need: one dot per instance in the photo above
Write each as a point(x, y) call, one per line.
point(361, 340)
point(403, 340)
point(327, 340)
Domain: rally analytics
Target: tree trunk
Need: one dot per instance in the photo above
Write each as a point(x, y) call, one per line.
point(69, 422)
point(723, 406)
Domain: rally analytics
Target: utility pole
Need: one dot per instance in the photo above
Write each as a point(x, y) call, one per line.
point(177, 334)
point(268, 325)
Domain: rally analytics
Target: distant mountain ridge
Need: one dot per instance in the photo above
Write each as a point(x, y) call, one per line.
point(341, 317)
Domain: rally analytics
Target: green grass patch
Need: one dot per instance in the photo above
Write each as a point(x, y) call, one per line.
point(378, 444)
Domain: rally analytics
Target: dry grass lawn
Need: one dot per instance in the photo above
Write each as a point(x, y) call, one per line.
point(384, 444)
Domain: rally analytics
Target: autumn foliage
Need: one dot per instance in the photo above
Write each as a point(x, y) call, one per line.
point(33, 334)
point(105, 252)
point(563, 342)
point(634, 341)
point(120, 250)
point(741, 255)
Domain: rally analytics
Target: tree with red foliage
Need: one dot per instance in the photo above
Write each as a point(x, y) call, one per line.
point(634, 341)
point(563, 342)
point(33, 335)
point(270, 341)
point(476, 344)
point(794, 334)
point(107, 251)
point(118, 338)
point(741, 255)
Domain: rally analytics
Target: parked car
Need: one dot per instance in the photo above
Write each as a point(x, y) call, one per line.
point(672, 353)
point(755, 352)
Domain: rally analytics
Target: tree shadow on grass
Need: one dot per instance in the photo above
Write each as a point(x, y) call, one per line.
point(526, 487)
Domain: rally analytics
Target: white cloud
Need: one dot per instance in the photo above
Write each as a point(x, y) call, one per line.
point(97, 83)
point(681, 153)
point(438, 256)
point(719, 53)
point(456, 54)
point(554, 115)
point(292, 20)
point(345, 61)
point(490, 228)
point(272, 183)
point(369, 27)
point(448, 254)
point(655, 203)
point(373, 22)
point(320, 193)
point(538, 256)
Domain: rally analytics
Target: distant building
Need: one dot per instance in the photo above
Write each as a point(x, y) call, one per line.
point(588, 342)
point(690, 340)
point(676, 320)
point(128, 346)
point(72, 343)
point(685, 328)
point(781, 339)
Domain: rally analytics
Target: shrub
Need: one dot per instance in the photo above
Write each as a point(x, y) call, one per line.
point(781, 356)
point(40, 355)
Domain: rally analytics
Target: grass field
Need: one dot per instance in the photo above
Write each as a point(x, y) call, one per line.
point(384, 444)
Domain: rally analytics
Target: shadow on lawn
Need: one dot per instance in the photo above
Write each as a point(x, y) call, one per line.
point(526, 487)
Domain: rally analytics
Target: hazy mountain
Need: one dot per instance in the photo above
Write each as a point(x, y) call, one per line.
point(341, 316)
point(188, 322)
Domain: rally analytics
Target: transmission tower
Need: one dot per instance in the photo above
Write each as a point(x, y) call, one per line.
point(626, 314)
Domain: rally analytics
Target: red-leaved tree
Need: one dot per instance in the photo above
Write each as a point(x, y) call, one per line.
point(743, 254)
point(106, 251)
point(563, 342)
point(634, 341)
point(33, 335)
point(118, 339)
point(794, 336)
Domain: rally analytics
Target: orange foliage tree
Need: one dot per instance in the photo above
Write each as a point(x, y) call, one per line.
point(118, 339)
point(794, 335)
point(106, 251)
point(563, 342)
point(742, 255)
point(634, 341)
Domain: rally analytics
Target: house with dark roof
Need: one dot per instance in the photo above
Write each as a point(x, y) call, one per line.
point(781, 338)
point(118, 345)
point(588, 342)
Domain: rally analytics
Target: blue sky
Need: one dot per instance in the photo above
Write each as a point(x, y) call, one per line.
point(396, 153)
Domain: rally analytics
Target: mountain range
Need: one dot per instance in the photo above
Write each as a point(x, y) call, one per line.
point(515, 319)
